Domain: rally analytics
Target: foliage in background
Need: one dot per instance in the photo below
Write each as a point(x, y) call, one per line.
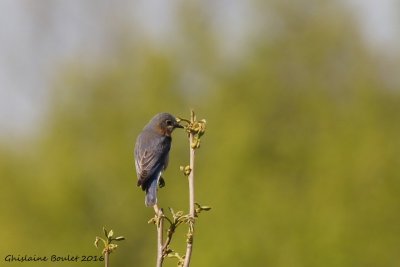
point(302, 155)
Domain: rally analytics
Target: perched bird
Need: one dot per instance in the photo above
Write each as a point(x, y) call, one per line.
point(152, 152)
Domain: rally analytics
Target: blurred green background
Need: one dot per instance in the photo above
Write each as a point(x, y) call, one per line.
point(300, 161)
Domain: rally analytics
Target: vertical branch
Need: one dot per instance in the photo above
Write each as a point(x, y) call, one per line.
point(160, 228)
point(106, 255)
point(191, 196)
point(191, 180)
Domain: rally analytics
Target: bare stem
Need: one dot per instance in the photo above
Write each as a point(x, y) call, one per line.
point(160, 228)
point(189, 245)
point(106, 255)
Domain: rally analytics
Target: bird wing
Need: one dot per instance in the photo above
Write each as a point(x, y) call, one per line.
point(151, 153)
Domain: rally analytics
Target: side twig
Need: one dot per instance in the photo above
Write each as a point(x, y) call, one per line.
point(171, 230)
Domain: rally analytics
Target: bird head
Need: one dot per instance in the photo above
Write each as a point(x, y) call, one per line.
point(165, 123)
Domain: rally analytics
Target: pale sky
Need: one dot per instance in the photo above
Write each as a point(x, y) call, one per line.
point(30, 57)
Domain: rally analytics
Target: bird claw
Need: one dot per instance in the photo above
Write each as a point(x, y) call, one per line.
point(161, 182)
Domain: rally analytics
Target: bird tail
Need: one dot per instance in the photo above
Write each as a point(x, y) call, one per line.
point(151, 194)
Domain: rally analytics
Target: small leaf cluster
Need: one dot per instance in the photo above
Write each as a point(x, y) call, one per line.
point(186, 170)
point(200, 208)
point(194, 127)
point(107, 241)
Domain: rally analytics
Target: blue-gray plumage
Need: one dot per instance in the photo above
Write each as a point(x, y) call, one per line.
point(152, 152)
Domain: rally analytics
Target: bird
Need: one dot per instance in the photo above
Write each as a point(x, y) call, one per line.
point(152, 154)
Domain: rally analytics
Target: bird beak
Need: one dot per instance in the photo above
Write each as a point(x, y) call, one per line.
point(177, 125)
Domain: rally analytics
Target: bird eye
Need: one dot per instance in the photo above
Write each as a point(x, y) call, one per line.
point(169, 123)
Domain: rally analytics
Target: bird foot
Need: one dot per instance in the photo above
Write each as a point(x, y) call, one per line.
point(161, 182)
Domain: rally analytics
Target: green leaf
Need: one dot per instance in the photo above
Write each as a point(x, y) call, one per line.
point(96, 242)
point(171, 209)
point(110, 234)
point(105, 231)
